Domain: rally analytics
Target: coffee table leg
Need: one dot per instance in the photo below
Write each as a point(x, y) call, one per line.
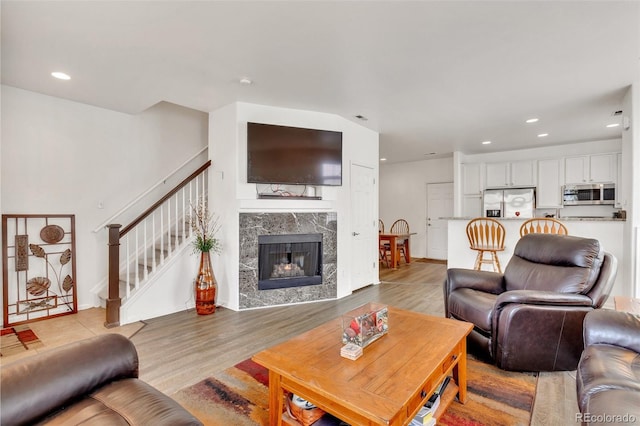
point(276, 399)
point(460, 374)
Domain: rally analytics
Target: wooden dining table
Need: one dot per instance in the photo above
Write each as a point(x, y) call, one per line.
point(392, 240)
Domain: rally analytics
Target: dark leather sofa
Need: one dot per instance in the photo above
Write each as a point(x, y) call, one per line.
point(530, 317)
point(608, 375)
point(90, 382)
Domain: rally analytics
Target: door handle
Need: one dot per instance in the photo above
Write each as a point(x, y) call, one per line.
point(356, 233)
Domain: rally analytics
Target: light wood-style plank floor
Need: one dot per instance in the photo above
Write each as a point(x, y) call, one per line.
point(183, 348)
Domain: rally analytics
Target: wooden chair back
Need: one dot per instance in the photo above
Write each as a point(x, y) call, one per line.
point(485, 234)
point(400, 226)
point(543, 225)
point(380, 226)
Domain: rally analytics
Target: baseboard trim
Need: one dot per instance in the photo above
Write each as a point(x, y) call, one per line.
point(428, 260)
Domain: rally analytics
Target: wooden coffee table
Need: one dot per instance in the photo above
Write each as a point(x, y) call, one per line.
point(387, 385)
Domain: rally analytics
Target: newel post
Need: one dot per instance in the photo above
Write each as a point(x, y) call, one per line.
point(113, 300)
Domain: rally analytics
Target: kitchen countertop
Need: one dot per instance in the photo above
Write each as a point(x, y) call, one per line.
point(567, 219)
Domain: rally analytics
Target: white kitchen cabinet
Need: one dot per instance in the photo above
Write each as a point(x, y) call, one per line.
point(472, 206)
point(602, 168)
point(576, 169)
point(511, 174)
point(549, 189)
point(523, 173)
point(471, 179)
point(597, 168)
point(620, 200)
point(497, 175)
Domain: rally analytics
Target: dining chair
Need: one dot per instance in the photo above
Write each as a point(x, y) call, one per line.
point(486, 235)
point(383, 245)
point(401, 226)
point(543, 225)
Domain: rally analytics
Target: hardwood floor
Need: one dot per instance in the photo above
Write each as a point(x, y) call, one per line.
point(183, 348)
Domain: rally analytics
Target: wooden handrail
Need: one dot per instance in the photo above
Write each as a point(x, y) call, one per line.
point(163, 199)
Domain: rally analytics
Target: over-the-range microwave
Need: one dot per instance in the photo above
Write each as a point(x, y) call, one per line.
point(596, 193)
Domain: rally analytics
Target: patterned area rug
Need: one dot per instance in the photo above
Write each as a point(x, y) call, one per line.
point(18, 339)
point(494, 397)
point(239, 396)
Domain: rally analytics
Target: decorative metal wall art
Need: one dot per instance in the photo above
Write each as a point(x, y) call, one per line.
point(39, 267)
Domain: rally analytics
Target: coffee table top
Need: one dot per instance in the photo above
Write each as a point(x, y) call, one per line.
point(379, 383)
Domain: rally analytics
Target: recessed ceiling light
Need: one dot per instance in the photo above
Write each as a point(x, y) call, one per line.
point(532, 120)
point(246, 81)
point(486, 142)
point(383, 159)
point(613, 125)
point(60, 75)
point(543, 135)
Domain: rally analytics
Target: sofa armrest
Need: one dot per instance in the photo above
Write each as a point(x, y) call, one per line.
point(604, 326)
point(35, 386)
point(486, 281)
point(533, 297)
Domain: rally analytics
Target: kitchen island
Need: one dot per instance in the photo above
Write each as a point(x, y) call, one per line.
point(608, 231)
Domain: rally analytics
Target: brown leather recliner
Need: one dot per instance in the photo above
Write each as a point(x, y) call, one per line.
point(608, 375)
point(90, 382)
point(530, 317)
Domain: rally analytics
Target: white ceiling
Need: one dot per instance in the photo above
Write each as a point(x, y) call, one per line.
point(430, 76)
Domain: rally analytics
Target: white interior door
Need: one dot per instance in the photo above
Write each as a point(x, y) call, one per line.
point(364, 227)
point(439, 204)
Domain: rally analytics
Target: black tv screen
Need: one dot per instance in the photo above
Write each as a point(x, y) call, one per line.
point(293, 155)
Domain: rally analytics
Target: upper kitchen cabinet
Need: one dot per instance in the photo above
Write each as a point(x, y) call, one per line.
point(471, 189)
point(471, 182)
point(597, 168)
point(621, 201)
point(549, 189)
point(511, 174)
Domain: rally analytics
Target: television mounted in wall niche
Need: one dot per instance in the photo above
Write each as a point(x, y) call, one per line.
point(293, 155)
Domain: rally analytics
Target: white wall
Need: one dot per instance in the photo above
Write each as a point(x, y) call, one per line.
point(403, 194)
point(631, 176)
point(230, 194)
point(65, 157)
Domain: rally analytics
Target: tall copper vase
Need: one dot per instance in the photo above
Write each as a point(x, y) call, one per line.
point(205, 286)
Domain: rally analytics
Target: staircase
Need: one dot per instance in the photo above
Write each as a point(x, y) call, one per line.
point(143, 269)
point(146, 248)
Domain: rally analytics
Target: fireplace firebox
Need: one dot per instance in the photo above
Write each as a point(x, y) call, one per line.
point(291, 260)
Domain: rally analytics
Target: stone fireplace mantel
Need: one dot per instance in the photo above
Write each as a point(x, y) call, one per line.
point(254, 224)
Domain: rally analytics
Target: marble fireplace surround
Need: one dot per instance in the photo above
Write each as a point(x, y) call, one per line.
point(254, 224)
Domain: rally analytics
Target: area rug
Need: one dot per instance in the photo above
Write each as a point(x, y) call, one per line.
point(18, 339)
point(239, 396)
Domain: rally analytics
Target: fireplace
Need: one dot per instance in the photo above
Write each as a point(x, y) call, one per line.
point(253, 225)
point(290, 260)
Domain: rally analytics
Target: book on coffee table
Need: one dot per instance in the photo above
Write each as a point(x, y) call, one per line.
point(351, 351)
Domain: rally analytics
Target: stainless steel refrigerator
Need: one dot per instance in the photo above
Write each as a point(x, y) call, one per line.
point(517, 202)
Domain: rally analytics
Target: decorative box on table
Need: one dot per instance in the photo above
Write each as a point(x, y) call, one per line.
point(365, 324)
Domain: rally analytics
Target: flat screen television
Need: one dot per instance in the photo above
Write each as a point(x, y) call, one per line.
point(293, 155)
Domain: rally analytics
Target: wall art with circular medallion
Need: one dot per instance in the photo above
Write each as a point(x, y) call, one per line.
point(52, 234)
